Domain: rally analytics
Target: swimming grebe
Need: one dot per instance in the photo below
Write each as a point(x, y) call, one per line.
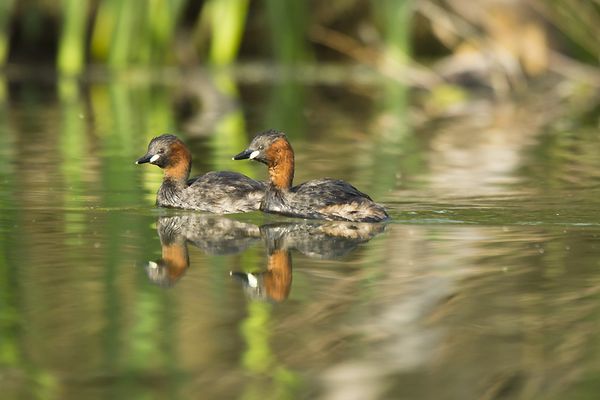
point(318, 199)
point(217, 192)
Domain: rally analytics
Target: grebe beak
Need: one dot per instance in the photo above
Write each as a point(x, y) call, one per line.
point(246, 154)
point(246, 278)
point(144, 159)
point(148, 158)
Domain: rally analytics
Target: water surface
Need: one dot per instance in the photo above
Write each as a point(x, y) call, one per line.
point(485, 284)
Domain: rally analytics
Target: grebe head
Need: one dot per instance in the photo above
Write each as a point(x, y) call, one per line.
point(264, 147)
point(169, 153)
point(272, 148)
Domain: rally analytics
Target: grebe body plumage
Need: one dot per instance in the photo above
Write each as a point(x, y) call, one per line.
point(220, 192)
point(329, 199)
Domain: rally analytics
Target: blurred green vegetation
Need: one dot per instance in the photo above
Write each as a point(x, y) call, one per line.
point(77, 221)
point(120, 34)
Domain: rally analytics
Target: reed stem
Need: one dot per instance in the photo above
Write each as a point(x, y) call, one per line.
point(71, 50)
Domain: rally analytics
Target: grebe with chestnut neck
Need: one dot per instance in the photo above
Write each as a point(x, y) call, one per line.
point(220, 192)
point(328, 199)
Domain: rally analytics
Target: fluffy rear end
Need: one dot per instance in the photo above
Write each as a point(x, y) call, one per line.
point(364, 211)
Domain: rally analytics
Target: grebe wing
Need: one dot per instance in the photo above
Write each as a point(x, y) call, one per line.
point(223, 192)
point(329, 191)
point(227, 180)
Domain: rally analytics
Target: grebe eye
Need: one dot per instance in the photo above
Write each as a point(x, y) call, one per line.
point(261, 147)
point(161, 151)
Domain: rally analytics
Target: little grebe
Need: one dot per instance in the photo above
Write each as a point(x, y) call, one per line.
point(318, 199)
point(217, 192)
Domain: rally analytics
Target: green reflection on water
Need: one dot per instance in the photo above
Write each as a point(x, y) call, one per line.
point(229, 136)
point(286, 109)
point(74, 150)
point(260, 361)
point(493, 285)
point(27, 378)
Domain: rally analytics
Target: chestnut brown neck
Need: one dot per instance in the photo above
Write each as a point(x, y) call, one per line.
point(180, 163)
point(176, 258)
point(278, 280)
point(281, 164)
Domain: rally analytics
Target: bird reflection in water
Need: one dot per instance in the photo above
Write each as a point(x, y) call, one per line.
point(220, 235)
point(322, 239)
point(212, 233)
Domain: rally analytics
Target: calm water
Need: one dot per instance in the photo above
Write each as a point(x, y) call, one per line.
point(485, 284)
